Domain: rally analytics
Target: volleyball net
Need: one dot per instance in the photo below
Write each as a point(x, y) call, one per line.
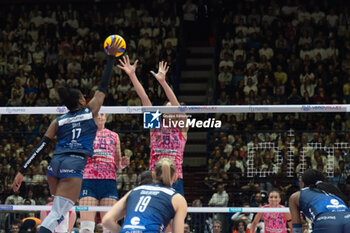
point(244, 151)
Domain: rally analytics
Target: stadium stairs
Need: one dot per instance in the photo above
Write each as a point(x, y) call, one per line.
point(193, 90)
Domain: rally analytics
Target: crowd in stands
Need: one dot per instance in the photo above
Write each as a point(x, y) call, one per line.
point(275, 53)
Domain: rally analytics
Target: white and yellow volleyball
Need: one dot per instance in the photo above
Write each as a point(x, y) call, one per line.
point(118, 40)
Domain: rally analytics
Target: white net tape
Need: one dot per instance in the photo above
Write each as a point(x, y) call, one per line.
point(187, 109)
point(190, 209)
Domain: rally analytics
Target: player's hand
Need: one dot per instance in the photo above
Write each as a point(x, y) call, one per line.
point(114, 47)
point(17, 182)
point(125, 161)
point(126, 66)
point(162, 70)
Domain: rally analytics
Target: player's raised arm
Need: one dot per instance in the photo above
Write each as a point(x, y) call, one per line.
point(97, 101)
point(160, 76)
point(130, 71)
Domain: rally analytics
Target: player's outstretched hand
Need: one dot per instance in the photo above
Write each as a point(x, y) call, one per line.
point(126, 66)
point(162, 70)
point(17, 182)
point(114, 47)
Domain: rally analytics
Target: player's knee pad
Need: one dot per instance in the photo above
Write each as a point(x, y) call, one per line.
point(87, 227)
point(63, 226)
point(59, 208)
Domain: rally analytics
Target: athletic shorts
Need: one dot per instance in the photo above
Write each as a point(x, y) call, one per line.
point(332, 222)
point(99, 189)
point(179, 186)
point(67, 165)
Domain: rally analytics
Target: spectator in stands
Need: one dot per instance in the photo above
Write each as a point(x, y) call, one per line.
point(187, 228)
point(226, 62)
point(217, 226)
point(14, 228)
point(14, 199)
point(219, 199)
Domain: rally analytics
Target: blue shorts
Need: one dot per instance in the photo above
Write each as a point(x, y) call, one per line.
point(332, 222)
point(179, 186)
point(67, 165)
point(99, 189)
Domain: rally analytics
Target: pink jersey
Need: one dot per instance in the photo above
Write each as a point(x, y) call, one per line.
point(167, 143)
point(102, 165)
point(274, 222)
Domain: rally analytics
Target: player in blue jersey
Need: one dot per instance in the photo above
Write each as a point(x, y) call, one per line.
point(75, 131)
point(149, 208)
point(322, 203)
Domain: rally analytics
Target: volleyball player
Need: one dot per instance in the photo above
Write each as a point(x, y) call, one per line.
point(99, 185)
point(322, 203)
point(273, 222)
point(76, 131)
point(165, 142)
point(149, 208)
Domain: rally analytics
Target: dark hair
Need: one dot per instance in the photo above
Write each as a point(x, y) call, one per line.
point(146, 178)
point(275, 190)
point(314, 179)
point(69, 97)
point(236, 224)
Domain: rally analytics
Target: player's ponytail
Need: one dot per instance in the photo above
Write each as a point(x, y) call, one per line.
point(69, 97)
point(314, 179)
point(165, 170)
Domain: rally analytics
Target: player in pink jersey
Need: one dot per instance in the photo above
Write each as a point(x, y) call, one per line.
point(165, 142)
point(99, 185)
point(273, 222)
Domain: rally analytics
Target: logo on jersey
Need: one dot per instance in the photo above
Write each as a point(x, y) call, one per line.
point(151, 120)
point(135, 221)
point(335, 202)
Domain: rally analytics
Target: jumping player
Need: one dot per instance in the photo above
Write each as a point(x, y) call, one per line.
point(165, 142)
point(273, 222)
point(99, 185)
point(76, 131)
point(322, 203)
point(149, 208)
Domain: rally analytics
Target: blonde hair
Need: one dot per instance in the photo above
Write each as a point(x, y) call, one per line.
point(165, 170)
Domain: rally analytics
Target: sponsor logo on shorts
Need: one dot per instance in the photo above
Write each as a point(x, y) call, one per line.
point(67, 171)
point(326, 218)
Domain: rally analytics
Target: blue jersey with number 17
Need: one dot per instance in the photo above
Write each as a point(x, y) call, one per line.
point(148, 209)
point(76, 132)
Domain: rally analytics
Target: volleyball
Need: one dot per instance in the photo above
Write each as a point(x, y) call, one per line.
point(118, 40)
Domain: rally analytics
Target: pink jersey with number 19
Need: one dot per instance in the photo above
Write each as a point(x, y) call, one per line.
point(102, 165)
point(167, 143)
